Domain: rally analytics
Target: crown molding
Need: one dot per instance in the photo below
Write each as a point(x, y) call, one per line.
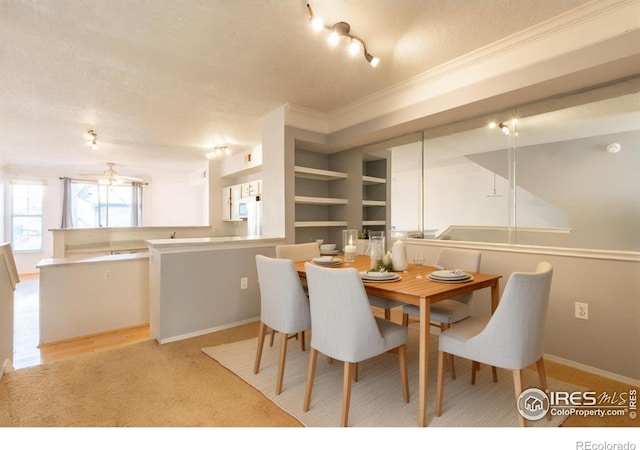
point(578, 29)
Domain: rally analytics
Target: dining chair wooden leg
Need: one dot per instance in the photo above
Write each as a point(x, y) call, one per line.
point(474, 368)
point(346, 391)
point(517, 385)
point(355, 373)
point(313, 359)
point(302, 344)
point(283, 357)
point(443, 327)
point(273, 335)
point(542, 376)
point(405, 320)
point(440, 383)
point(404, 377)
point(262, 331)
point(494, 373)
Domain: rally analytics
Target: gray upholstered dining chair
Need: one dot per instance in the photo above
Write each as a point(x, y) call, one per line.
point(298, 252)
point(345, 329)
point(284, 307)
point(386, 304)
point(453, 310)
point(512, 338)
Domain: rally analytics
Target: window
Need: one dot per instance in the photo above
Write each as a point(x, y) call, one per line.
point(26, 217)
point(94, 205)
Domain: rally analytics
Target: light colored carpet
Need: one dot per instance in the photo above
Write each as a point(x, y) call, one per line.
point(376, 399)
point(139, 385)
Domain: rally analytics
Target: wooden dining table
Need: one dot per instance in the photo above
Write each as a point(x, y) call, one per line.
point(421, 292)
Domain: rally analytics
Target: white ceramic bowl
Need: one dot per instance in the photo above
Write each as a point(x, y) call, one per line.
point(327, 247)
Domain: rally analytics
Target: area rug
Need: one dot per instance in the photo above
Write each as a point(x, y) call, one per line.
point(376, 399)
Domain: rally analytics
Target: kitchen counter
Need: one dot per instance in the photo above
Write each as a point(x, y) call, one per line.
point(210, 242)
point(202, 285)
point(82, 297)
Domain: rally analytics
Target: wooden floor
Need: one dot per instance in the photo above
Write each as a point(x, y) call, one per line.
point(27, 353)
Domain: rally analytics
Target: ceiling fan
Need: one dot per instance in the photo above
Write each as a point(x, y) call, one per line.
point(111, 177)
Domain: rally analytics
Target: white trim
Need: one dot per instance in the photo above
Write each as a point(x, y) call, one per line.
point(206, 331)
point(593, 370)
point(612, 255)
point(6, 367)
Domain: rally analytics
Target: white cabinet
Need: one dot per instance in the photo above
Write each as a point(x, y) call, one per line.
point(231, 196)
point(251, 188)
point(230, 199)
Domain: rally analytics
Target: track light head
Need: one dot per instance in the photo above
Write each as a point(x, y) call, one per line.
point(92, 139)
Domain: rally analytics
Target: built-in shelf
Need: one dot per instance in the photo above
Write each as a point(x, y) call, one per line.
point(320, 223)
point(370, 223)
point(372, 180)
point(301, 200)
point(318, 174)
point(374, 203)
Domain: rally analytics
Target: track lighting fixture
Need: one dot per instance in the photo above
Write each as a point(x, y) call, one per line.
point(504, 128)
point(92, 139)
point(341, 30)
point(218, 151)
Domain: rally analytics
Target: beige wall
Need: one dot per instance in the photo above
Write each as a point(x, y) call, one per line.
point(609, 341)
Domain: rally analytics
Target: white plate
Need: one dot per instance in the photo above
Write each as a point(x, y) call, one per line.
point(324, 259)
point(327, 263)
point(449, 274)
point(440, 280)
point(378, 275)
point(381, 280)
point(332, 252)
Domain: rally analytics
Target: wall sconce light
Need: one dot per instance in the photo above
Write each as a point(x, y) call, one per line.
point(339, 30)
point(92, 139)
point(504, 128)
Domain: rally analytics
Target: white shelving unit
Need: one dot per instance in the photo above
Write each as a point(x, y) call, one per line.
point(323, 175)
point(321, 223)
point(374, 194)
point(318, 174)
point(302, 200)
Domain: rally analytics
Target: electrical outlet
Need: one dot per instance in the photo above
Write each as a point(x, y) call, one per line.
point(582, 311)
point(243, 282)
point(107, 274)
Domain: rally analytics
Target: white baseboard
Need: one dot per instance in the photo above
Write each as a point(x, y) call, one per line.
point(593, 370)
point(6, 367)
point(207, 331)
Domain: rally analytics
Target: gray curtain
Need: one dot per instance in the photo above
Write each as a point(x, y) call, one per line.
point(136, 204)
point(66, 204)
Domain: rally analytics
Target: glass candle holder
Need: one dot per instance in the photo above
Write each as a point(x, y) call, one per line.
point(350, 245)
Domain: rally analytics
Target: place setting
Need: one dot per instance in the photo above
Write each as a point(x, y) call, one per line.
point(450, 276)
point(329, 249)
point(326, 261)
point(379, 277)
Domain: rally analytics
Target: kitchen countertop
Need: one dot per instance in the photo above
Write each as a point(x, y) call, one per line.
point(210, 242)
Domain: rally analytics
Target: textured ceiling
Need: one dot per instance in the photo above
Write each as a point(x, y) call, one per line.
point(160, 81)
